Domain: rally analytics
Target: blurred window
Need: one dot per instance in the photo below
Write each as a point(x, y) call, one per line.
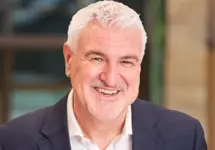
point(37, 76)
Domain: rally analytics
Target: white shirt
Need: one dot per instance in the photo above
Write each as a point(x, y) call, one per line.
point(79, 142)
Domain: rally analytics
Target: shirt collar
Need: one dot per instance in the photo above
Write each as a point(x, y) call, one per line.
point(75, 129)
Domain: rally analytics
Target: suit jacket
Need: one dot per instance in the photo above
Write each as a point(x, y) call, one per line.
point(154, 128)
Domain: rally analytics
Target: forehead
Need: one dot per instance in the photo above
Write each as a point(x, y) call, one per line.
point(96, 37)
point(97, 31)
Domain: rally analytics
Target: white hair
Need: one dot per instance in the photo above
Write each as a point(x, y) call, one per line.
point(108, 14)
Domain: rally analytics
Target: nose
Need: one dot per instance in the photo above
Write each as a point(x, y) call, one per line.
point(109, 75)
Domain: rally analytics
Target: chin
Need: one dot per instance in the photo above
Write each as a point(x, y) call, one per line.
point(104, 118)
point(103, 114)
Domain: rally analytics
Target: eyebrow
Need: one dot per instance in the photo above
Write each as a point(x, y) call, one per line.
point(131, 57)
point(93, 52)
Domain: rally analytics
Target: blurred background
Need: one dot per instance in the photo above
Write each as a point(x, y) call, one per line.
point(178, 71)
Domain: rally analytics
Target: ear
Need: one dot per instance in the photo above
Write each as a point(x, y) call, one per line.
point(67, 52)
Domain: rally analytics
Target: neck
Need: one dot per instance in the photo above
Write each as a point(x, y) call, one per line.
point(98, 131)
point(95, 127)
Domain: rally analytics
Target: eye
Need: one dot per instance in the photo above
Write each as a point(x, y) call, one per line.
point(126, 63)
point(96, 59)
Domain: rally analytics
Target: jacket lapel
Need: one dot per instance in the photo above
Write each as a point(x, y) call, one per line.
point(55, 128)
point(143, 123)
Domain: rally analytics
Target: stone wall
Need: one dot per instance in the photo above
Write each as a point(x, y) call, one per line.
point(186, 58)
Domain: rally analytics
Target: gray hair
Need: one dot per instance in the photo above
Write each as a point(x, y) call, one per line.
point(108, 14)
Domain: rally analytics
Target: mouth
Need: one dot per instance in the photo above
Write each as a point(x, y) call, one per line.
point(107, 92)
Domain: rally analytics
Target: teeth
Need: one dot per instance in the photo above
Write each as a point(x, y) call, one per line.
point(105, 91)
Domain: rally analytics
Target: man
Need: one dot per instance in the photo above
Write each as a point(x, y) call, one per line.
point(103, 55)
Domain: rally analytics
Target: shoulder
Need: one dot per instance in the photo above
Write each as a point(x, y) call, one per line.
point(25, 131)
point(163, 114)
point(175, 129)
point(167, 122)
point(24, 126)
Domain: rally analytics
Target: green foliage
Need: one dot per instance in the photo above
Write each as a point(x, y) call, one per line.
point(157, 51)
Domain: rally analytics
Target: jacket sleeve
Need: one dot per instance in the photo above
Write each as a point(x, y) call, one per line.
point(1, 148)
point(199, 143)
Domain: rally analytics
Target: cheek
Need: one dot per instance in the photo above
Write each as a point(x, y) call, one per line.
point(131, 77)
point(86, 72)
point(135, 80)
point(133, 88)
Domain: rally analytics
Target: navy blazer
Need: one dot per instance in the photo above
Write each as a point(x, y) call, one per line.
point(154, 128)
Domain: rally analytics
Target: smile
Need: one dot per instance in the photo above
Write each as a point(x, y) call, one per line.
point(107, 91)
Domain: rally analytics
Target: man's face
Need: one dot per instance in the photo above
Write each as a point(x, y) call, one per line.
point(105, 70)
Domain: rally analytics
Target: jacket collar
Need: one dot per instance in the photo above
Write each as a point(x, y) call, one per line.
point(144, 120)
point(55, 128)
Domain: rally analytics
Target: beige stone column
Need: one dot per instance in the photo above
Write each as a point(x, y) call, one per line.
point(211, 80)
point(186, 59)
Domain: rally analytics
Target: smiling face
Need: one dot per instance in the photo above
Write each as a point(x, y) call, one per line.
point(105, 71)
